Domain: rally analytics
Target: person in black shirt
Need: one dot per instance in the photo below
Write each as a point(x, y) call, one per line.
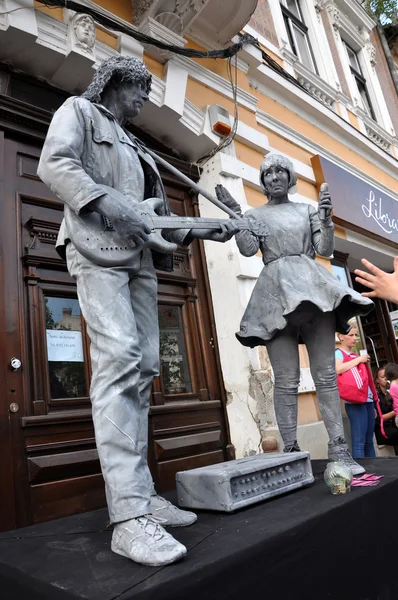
point(390, 428)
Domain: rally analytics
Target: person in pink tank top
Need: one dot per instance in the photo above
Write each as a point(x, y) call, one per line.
point(391, 372)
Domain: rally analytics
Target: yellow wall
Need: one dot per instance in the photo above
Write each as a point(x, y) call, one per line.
point(153, 66)
point(106, 38)
point(121, 8)
point(320, 137)
point(55, 13)
point(200, 96)
point(353, 119)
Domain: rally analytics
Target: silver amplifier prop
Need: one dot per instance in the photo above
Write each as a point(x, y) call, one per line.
point(238, 483)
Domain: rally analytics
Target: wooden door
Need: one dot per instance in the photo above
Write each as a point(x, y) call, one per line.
point(188, 425)
point(50, 466)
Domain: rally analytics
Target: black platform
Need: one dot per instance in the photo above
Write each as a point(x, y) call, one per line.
point(305, 545)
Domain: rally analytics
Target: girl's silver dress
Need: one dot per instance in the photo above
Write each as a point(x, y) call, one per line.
point(291, 275)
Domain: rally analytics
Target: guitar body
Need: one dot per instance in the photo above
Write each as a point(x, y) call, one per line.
point(101, 244)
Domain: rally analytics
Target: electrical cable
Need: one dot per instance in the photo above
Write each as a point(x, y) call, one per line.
point(114, 24)
point(227, 140)
point(228, 53)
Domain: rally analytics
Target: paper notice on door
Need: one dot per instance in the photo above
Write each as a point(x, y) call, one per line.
point(66, 346)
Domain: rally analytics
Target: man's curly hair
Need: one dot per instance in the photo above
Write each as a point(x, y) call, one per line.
point(119, 68)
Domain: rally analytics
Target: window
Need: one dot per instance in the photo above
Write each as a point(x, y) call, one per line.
point(65, 354)
point(297, 33)
point(173, 354)
point(359, 80)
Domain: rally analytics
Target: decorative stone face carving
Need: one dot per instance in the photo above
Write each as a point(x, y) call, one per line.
point(140, 7)
point(209, 21)
point(83, 27)
point(371, 50)
point(319, 5)
point(176, 15)
point(334, 15)
point(188, 9)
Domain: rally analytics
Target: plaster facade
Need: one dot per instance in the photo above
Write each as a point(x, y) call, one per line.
point(323, 116)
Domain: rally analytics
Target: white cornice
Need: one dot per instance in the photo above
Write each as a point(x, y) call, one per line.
point(192, 117)
point(316, 85)
point(351, 32)
point(216, 82)
point(51, 32)
point(157, 90)
point(375, 132)
point(302, 141)
point(356, 13)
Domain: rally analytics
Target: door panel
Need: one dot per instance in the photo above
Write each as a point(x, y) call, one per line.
point(52, 467)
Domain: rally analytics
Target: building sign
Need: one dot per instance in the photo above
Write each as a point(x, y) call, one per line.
point(65, 346)
point(356, 203)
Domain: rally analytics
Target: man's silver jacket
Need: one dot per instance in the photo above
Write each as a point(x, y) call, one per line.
point(86, 148)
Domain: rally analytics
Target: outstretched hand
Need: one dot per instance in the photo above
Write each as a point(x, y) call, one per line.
point(226, 198)
point(383, 285)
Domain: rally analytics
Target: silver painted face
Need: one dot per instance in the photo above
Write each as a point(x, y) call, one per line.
point(131, 97)
point(276, 181)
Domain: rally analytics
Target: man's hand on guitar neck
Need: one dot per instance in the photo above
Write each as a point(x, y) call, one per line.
point(124, 218)
point(227, 230)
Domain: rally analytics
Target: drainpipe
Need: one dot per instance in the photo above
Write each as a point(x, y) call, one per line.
point(390, 61)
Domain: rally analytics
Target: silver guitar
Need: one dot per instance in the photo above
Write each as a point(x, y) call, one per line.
point(96, 239)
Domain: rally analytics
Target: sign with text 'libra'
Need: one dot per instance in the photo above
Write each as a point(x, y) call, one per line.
point(357, 203)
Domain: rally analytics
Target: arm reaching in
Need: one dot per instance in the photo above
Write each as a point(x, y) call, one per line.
point(383, 285)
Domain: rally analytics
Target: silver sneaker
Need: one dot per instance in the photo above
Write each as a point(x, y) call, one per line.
point(144, 541)
point(338, 450)
point(170, 515)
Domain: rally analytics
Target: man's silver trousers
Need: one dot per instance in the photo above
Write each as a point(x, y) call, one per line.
point(119, 306)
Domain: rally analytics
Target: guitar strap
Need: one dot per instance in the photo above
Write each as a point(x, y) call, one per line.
point(154, 185)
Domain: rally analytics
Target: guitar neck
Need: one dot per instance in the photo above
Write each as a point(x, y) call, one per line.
point(190, 223)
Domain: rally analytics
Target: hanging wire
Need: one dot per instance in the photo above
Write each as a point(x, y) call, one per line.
point(229, 53)
point(116, 25)
point(232, 72)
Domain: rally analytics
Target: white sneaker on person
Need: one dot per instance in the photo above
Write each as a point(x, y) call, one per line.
point(338, 451)
point(144, 541)
point(170, 515)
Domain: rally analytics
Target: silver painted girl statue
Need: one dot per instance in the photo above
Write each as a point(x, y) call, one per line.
point(296, 300)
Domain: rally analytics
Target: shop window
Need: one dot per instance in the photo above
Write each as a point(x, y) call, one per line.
point(339, 270)
point(173, 353)
point(297, 32)
point(65, 352)
point(359, 81)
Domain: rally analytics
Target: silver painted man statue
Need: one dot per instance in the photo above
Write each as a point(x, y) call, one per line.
point(87, 147)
